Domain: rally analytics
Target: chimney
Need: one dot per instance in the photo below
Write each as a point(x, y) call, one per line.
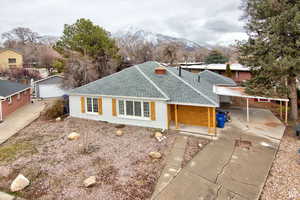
point(160, 70)
point(179, 73)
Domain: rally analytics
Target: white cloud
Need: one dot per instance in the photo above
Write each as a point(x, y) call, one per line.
point(210, 22)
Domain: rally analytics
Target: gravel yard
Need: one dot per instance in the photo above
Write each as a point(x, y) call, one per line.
point(284, 179)
point(57, 166)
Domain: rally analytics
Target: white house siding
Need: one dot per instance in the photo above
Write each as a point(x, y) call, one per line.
point(160, 110)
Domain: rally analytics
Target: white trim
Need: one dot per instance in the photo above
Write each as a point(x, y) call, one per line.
point(112, 96)
point(193, 104)
point(47, 78)
point(162, 92)
point(215, 103)
point(86, 108)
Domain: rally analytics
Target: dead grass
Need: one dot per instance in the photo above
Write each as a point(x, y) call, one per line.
point(11, 151)
point(57, 166)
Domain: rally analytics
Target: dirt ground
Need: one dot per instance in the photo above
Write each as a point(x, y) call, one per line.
point(194, 145)
point(284, 179)
point(57, 166)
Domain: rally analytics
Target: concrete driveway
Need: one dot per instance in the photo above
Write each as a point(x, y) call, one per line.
point(20, 119)
point(233, 167)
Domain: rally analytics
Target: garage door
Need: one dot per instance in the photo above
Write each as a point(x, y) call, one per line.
point(192, 115)
point(49, 91)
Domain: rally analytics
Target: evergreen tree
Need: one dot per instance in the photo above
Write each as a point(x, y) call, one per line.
point(228, 72)
point(90, 51)
point(216, 57)
point(273, 47)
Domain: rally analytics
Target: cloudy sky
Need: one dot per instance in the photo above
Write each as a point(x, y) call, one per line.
point(204, 21)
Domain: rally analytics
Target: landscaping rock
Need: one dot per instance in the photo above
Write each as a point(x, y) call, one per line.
point(155, 155)
point(119, 132)
point(158, 134)
point(120, 126)
point(58, 119)
point(19, 183)
point(4, 171)
point(73, 136)
point(90, 181)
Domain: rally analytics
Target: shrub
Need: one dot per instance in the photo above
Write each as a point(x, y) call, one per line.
point(56, 110)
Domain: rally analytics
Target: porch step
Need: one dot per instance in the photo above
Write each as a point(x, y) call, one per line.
point(197, 134)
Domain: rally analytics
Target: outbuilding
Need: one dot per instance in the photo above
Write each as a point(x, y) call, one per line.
point(50, 87)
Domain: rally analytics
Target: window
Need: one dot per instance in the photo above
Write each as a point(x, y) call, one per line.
point(92, 105)
point(9, 99)
point(134, 108)
point(146, 109)
point(121, 107)
point(12, 60)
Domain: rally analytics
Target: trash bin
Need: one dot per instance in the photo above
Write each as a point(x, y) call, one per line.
point(221, 119)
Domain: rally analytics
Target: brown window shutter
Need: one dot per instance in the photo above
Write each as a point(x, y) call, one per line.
point(100, 106)
point(82, 104)
point(114, 107)
point(152, 111)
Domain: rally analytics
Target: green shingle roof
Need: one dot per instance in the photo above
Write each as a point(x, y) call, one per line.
point(141, 81)
point(7, 88)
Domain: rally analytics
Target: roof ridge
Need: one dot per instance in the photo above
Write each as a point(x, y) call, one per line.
point(191, 86)
point(147, 78)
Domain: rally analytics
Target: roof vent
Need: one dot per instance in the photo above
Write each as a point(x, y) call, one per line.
point(160, 70)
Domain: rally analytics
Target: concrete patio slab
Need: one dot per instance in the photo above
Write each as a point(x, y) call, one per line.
point(233, 167)
point(19, 119)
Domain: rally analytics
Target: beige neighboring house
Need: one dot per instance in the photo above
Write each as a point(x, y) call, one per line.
point(10, 58)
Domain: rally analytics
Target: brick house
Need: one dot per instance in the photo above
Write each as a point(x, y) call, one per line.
point(240, 73)
point(12, 97)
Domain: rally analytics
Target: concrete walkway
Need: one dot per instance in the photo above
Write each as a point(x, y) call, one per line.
point(233, 167)
point(19, 119)
point(174, 163)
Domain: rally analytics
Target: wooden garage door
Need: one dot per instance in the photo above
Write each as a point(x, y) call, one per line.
point(192, 115)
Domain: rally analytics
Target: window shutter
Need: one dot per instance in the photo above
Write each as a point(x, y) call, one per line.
point(114, 107)
point(100, 106)
point(152, 111)
point(82, 104)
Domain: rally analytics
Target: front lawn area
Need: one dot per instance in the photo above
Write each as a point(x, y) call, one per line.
point(57, 166)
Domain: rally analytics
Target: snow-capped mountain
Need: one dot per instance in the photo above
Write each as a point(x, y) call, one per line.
point(140, 35)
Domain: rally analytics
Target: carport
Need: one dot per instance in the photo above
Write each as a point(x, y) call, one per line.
point(240, 92)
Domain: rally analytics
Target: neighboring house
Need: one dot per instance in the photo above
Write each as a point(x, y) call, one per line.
point(12, 96)
point(240, 73)
point(50, 87)
point(150, 95)
point(10, 58)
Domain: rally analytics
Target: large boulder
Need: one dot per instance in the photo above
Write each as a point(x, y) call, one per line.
point(19, 183)
point(89, 181)
point(155, 155)
point(158, 134)
point(119, 132)
point(73, 136)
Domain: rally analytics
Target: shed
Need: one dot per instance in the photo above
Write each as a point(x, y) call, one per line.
point(50, 87)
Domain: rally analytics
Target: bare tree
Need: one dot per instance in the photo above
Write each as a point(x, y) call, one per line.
point(21, 35)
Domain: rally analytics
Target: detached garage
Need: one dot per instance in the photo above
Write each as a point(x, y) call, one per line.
point(50, 87)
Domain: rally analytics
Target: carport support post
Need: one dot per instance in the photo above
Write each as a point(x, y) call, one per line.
point(280, 109)
point(176, 117)
point(247, 110)
point(286, 112)
point(208, 119)
point(214, 121)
